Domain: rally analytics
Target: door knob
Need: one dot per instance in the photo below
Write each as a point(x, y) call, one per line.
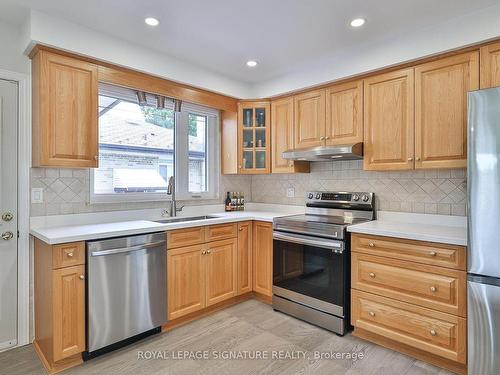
point(7, 235)
point(7, 216)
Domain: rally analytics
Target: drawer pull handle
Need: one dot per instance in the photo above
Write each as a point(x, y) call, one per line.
point(208, 251)
point(433, 333)
point(70, 255)
point(433, 289)
point(241, 229)
point(82, 277)
point(371, 244)
point(372, 275)
point(371, 313)
point(203, 252)
point(432, 253)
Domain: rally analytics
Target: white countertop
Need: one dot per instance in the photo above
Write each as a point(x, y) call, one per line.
point(70, 233)
point(422, 227)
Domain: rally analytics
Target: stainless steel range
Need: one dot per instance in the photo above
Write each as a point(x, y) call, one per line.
point(311, 258)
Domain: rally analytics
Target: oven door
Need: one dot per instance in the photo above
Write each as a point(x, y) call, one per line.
point(310, 271)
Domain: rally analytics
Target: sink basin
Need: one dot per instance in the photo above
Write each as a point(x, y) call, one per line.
point(180, 219)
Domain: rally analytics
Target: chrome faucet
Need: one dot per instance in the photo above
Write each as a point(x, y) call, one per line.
point(173, 203)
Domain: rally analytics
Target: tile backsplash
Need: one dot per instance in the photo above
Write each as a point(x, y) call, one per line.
point(436, 191)
point(442, 191)
point(66, 191)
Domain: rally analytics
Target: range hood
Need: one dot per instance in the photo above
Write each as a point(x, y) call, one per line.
point(323, 153)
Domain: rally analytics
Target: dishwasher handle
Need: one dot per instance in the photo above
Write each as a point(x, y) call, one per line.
point(126, 249)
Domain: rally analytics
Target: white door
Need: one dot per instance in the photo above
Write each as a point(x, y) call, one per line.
point(8, 213)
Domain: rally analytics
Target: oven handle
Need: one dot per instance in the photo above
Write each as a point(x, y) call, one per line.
point(307, 240)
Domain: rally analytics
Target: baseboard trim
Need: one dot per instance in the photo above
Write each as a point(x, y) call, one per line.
point(54, 368)
point(457, 368)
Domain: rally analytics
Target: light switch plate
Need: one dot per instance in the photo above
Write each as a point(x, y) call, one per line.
point(290, 192)
point(37, 195)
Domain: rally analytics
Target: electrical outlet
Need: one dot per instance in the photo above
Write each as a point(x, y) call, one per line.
point(37, 195)
point(290, 192)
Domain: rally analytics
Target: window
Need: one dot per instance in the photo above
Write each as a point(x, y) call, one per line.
point(140, 147)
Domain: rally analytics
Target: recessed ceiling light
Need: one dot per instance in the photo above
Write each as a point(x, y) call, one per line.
point(252, 63)
point(357, 22)
point(151, 21)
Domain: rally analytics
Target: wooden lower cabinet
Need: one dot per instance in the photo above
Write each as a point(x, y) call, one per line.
point(185, 280)
point(221, 274)
point(59, 296)
point(245, 241)
point(263, 258)
point(410, 296)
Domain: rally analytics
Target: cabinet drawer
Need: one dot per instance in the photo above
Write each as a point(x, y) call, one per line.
point(185, 237)
point(68, 254)
point(437, 288)
point(432, 331)
point(450, 256)
point(221, 232)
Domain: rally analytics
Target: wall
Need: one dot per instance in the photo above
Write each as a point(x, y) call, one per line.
point(12, 43)
point(425, 191)
point(66, 191)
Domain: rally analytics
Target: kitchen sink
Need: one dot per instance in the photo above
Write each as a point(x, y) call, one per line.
point(181, 219)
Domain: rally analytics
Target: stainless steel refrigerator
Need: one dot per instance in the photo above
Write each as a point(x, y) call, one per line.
point(483, 280)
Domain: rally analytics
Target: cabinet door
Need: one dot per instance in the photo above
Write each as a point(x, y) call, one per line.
point(185, 280)
point(263, 258)
point(389, 121)
point(441, 89)
point(69, 311)
point(490, 65)
point(65, 112)
point(221, 270)
point(281, 133)
point(245, 257)
point(254, 133)
point(344, 113)
point(309, 119)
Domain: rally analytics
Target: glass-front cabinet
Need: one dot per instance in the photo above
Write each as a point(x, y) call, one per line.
point(254, 137)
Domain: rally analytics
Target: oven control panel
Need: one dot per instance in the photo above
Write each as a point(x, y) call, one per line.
point(339, 197)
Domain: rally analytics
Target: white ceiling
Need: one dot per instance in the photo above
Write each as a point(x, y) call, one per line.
point(284, 36)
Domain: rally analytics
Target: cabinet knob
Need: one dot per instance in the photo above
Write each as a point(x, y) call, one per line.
point(203, 252)
point(240, 229)
point(327, 137)
point(410, 159)
point(70, 255)
point(82, 277)
point(433, 333)
point(208, 251)
point(371, 313)
point(433, 289)
point(239, 166)
point(321, 138)
point(432, 253)
point(371, 244)
point(417, 158)
point(372, 275)
point(96, 157)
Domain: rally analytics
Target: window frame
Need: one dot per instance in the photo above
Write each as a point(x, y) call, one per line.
point(181, 158)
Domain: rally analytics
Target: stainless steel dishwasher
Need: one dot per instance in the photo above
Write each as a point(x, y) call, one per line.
point(126, 290)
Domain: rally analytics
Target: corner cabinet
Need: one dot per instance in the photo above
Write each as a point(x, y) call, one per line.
point(282, 136)
point(65, 95)
point(254, 137)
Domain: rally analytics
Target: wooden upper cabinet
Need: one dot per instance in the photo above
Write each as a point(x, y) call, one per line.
point(69, 311)
point(490, 65)
point(309, 109)
point(254, 134)
point(441, 89)
point(389, 121)
point(65, 94)
point(344, 113)
point(282, 131)
point(221, 271)
point(263, 258)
